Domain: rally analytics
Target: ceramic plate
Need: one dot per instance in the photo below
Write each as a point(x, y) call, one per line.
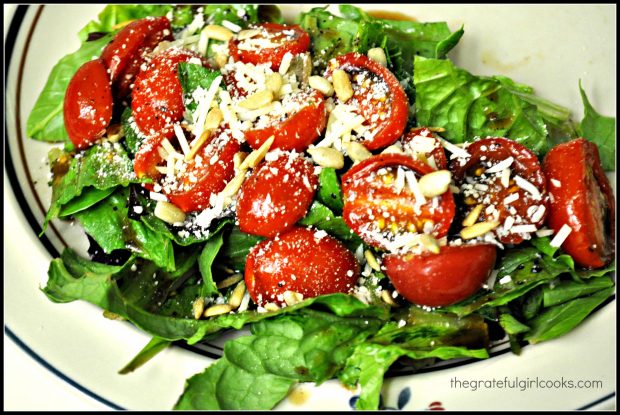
point(548, 47)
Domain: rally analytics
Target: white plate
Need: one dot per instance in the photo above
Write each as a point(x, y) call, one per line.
point(548, 47)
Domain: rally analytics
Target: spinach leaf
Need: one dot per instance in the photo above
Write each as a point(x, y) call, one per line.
point(469, 106)
point(114, 14)
point(108, 223)
point(569, 290)
point(329, 192)
point(133, 138)
point(321, 217)
point(89, 197)
point(600, 130)
point(153, 347)
point(511, 325)
point(560, 319)
point(192, 77)
point(237, 246)
point(46, 122)
point(205, 262)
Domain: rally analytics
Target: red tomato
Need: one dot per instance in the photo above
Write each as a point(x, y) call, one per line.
point(488, 190)
point(133, 40)
point(582, 198)
point(303, 124)
point(157, 94)
point(377, 211)
point(87, 107)
point(270, 45)
point(421, 138)
point(191, 190)
point(147, 157)
point(276, 196)
point(377, 96)
point(436, 280)
point(301, 261)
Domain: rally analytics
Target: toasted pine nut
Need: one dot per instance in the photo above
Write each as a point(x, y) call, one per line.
point(386, 296)
point(292, 297)
point(237, 295)
point(393, 149)
point(378, 55)
point(114, 133)
point(227, 282)
point(218, 32)
point(430, 243)
point(371, 260)
point(198, 307)
point(478, 229)
point(238, 159)
point(217, 310)
point(233, 187)
point(248, 33)
point(258, 155)
point(435, 183)
point(327, 157)
point(274, 82)
point(214, 118)
point(322, 85)
point(197, 145)
point(271, 307)
point(356, 151)
point(257, 100)
point(169, 213)
point(342, 85)
point(220, 59)
point(472, 217)
point(112, 316)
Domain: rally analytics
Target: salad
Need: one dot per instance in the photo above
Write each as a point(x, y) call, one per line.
point(338, 186)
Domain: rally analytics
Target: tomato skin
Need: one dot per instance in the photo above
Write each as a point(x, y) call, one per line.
point(299, 261)
point(298, 131)
point(276, 196)
point(365, 200)
point(138, 36)
point(147, 157)
point(437, 280)
point(395, 106)
point(580, 202)
point(209, 178)
point(157, 94)
point(299, 44)
point(87, 108)
point(525, 164)
point(438, 153)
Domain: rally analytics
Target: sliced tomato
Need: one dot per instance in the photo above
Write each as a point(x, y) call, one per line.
point(377, 96)
point(87, 108)
point(379, 203)
point(206, 174)
point(276, 195)
point(582, 198)
point(448, 277)
point(303, 261)
point(132, 40)
point(423, 143)
point(269, 45)
point(520, 204)
point(157, 98)
point(147, 157)
point(304, 119)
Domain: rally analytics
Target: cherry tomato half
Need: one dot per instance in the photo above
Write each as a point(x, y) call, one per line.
point(87, 107)
point(582, 198)
point(138, 36)
point(377, 96)
point(157, 94)
point(379, 202)
point(301, 127)
point(269, 45)
point(507, 199)
point(276, 196)
point(436, 280)
point(303, 261)
point(426, 146)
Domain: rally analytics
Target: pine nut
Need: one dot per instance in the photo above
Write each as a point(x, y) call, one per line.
point(327, 157)
point(435, 183)
point(218, 32)
point(371, 260)
point(233, 187)
point(237, 295)
point(169, 213)
point(230, 281)
point(238, 159)
point(197, 145)
point(322, 85)
point(472, 217)
point(220, 59)
point(292, 297)
point(217, 310)
point(258, 155)
point(356, 151)
point(274, 82)
point(386, 296)
point(114, 133)
point(112, 316)
point(257, 100)
point(378, 55)
point(342, 85)
point(271, 307)
point(430, 243)
point(198, 307)
point(393, 149)
point(478, 229)
point(214, 118)
point(248, 33)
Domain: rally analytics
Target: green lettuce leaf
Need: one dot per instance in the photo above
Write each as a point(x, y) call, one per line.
point(600, 130)
point(114, 14)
